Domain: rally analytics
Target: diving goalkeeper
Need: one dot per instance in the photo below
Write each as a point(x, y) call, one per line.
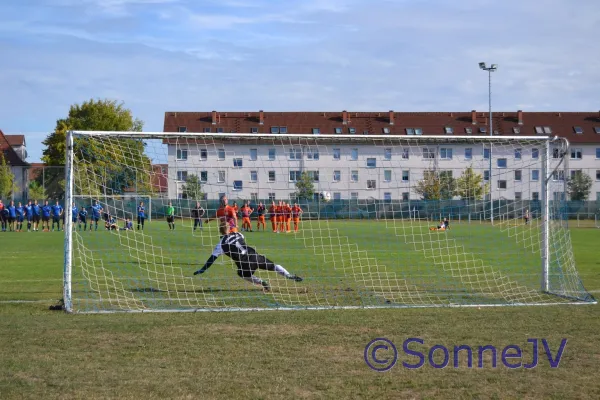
point(245, 257)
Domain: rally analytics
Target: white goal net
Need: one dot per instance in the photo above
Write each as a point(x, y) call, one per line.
point(328, 221)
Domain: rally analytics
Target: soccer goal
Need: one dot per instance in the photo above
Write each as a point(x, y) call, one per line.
point(335, 221)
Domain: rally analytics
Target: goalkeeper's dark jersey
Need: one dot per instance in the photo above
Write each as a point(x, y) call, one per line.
point(234, 246)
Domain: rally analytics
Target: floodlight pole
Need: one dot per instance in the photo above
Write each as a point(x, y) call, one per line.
point(490, 69)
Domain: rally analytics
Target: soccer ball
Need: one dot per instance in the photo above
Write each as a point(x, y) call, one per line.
point(326, 196)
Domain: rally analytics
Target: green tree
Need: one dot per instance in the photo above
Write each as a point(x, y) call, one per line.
point(7, 178)
point(305, 188)
point(436, 185)
point(469, 186)
point(193, 188)
point(104, 165)
point(36, 191)
point(579, 186)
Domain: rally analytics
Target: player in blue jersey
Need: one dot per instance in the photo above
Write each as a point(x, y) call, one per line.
point(12, 216)
point(37, 214)
point(128, 225)
point(57, 213)
point(141, 215)
point(74, 214)
point(29, 214)
point(46, 210)
point(20, 211)
point(83, 219)
point(96, 213)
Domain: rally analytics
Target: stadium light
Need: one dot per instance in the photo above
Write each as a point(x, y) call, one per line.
point(490, 69)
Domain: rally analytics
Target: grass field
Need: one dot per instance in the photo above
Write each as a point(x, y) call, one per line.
point(288, 355)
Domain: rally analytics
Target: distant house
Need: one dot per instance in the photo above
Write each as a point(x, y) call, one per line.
point(159, 180)
point(14, 150)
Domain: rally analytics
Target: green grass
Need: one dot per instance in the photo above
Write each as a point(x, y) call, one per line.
point(287, 355)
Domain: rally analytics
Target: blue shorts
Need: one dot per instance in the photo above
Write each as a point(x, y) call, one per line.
point(95, 218)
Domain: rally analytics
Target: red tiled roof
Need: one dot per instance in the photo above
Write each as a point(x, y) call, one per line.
point(432, 123)
point(12, 158)
point(159, 178)
point(15, 140)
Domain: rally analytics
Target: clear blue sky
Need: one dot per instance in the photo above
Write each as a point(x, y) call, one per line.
point(194, 55)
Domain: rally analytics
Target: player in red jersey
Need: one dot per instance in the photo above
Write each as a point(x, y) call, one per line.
point(246, 212)
point(226, 213)
point(296, 211)
point(273, 216)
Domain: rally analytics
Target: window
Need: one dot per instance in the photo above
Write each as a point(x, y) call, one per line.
point(597, 152)
point(597, 129)
point(316, 131)
point(271, 176)
point(486, 175)
point(219, 130)
point(337, 154)
point(405, 176)
point(295, 176)
point(518, 196)
point(387, 197)
point(405, 154)
point(274, 129)
point(283, 129)
point(535, 175)
point(547, 130)
point(410, 131)
point(516, 130)
point(314, 175)
point(254, 197)
point(253, 154)
point(575, 172)
point(418, 131)
point(182, 176)
point(182, 154)
point(535, 153)
point(517, 154)
point(446, 153)
point(365, 132)
point(254, 130)
point(386, 130)
point(354, 154)
point(203, 176)
point(253, 176)
point(428, 153)
point(221, 177)
point(449, 130)
point(337, 196)
point(337, 176)
point(405, 196)
point(203, 154)
point(555, 153)
point(501, 184)
point(518, 174)
point(535, 196)
point(354, 176)
point(387, 154)
point(539, 130)
point(338, 130)
point(371, 184)
point(598, 174)
point(312, 154)
point(578, 130)
point(271, 196)
point(486, 154)
point(221, 154)
point(482, 129)
point(295, 153)
point(354, 196)
point(501, 162)
point(237, 163)
point(576, 154)
point(272, 154)
point(387, 175)
point(237, 185)
point(468, 131)
point(206, 130)
point(352, 130)
point(181, 129)
point(468, 154)
point(371, 162)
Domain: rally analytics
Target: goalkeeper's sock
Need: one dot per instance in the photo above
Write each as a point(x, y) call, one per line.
point(281, 271)
point(255, 280)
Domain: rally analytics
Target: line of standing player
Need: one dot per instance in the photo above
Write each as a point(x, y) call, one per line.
point(281, 215)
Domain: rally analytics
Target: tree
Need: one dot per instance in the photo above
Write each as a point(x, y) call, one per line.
point(469, 186)
point(111, 171)
point(36, 191)
point(436, 185)
point(579, 186)
point(193, 188)
point(7, 178)
point(305, 188)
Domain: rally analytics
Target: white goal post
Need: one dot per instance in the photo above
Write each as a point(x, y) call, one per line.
point(393, 231)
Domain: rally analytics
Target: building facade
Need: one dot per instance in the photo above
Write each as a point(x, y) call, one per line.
point(14, 151)
point(384, 170)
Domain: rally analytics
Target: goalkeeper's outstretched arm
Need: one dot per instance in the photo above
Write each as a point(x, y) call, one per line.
point(207, 265)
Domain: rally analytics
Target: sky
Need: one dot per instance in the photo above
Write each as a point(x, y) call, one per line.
point(292, 55)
